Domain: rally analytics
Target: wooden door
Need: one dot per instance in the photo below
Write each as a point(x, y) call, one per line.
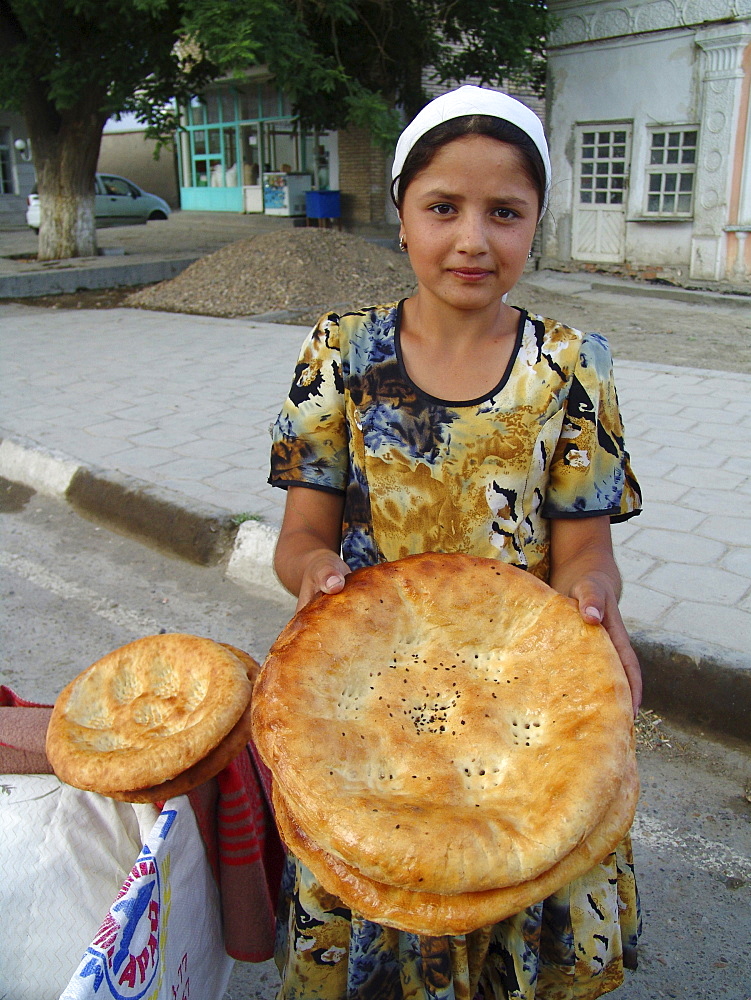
point(603, 156)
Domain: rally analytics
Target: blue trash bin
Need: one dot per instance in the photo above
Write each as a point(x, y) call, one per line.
point(322, 205)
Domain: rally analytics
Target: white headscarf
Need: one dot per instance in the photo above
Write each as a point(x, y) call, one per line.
point(474, 101)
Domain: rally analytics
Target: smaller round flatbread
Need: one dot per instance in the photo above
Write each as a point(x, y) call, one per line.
point(252, 666)
point(210, 765)
point(204, 770)
point(436, 915)
point(146, 712)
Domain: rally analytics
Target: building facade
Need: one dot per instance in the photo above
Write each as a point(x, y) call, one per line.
point(649, 125)
point(125, 150)
point(17, 174)
point(237, 145)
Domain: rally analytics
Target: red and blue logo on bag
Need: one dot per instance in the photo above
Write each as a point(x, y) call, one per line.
point(125, 954)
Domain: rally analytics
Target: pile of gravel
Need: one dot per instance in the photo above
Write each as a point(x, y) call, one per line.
point(293, 275)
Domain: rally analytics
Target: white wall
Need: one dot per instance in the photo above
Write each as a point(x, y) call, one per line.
point(645, 80)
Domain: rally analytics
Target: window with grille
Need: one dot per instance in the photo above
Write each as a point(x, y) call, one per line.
point(603, 172)
point(671, 172)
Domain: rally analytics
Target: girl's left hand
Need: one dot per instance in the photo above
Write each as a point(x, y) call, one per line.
point(595, 594)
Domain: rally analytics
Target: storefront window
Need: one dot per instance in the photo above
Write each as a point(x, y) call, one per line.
point(224, 167)
point(214, 107)
point(248, 104)
point(250, 152)
point(283, 147)
point(201, 169)
point(196, 113)
point(241, 131)
point(271, 106)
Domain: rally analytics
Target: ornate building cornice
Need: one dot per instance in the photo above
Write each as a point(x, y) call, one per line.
point(600, 19)
point(723, 46)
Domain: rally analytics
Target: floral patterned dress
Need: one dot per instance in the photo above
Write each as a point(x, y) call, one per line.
point(484, 477)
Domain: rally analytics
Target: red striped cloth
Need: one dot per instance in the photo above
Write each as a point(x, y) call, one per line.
point(9, 699)
point(240, 820)
point(22, 734)
point(245, 852)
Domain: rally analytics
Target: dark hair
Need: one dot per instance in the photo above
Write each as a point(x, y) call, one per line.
point(426, 147)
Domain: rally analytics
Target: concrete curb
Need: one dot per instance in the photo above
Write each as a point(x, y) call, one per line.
point(164, 518)
point(698, 683)
point(198, 532)
point(694, 295)
point(252, 558)
point(59, 279)
point(692, 682)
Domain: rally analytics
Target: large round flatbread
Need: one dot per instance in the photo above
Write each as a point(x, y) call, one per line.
point(445, 724)
point(209, 766)
point(146, 712)
point(436, 915)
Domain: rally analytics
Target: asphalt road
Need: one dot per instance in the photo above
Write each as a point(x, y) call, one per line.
point(73, 591)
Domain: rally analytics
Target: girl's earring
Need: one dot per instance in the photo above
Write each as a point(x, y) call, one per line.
point(402, 243)
point(529, 255)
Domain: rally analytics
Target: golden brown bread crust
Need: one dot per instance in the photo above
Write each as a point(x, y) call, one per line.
point(436, 915)
point(446, 723)
point(251, 665)
point(146, 712)
point(210, 765)
point(204, 770)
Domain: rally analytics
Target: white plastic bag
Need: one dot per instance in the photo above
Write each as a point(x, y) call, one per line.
point(162, 937)
point(64, 854)
point(67, 858)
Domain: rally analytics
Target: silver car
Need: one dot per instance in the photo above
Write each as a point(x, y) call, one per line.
point(117, 202)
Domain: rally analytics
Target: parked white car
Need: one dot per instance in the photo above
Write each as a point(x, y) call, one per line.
point(117, 202)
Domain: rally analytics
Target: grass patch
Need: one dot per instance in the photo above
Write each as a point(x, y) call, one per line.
point(238, 519)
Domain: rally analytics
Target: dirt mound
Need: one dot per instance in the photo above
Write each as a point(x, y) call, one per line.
point(302, 272)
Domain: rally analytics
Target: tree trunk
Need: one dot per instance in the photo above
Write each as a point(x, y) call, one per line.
point(66, 150)
point(67, 227)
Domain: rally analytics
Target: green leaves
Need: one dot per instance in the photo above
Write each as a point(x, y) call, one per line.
point(382, 51)
point(372, 111)
point(340, 61)
point(84, 52)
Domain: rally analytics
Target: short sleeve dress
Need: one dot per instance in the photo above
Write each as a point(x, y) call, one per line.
point(481, 476)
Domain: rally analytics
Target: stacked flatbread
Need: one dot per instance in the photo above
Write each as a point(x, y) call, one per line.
point(153, 719)
point(449, 741)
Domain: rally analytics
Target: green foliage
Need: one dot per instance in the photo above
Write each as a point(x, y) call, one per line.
point(383, 49)
point(493, 41)
point(341, 61)
point(365, 109)
point(274, 33)
point(71, 50)
point(237, 519)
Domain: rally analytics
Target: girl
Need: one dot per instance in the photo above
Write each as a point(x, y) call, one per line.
point(453, 422)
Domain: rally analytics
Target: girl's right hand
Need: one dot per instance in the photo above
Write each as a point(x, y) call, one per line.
point(307, 559)
point(324, 573)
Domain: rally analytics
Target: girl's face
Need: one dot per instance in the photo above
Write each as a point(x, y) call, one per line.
point(468, 220)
